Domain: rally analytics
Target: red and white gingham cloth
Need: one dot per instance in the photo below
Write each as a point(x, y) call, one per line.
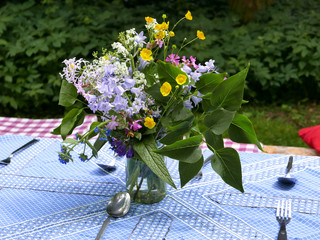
point(42, 128)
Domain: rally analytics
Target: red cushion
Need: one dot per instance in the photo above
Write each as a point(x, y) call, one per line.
point(311, 136)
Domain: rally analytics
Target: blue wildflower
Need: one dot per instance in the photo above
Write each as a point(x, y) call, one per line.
point(96, 130)
point(64, 156)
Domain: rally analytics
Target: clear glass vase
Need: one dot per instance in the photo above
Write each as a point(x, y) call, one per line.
point(143, 185)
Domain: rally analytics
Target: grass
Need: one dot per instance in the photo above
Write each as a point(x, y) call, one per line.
point(279, 125)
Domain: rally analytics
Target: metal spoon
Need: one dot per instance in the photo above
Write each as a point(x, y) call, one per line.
point(110, 167)
point(8, 159)
point(118, 206)
point(287, 179)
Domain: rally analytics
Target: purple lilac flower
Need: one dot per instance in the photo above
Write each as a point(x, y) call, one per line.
point(173, 58)
point(142, 64)
point(128, 83)
point(139, 38)
point(113, 124)
point(188, 104)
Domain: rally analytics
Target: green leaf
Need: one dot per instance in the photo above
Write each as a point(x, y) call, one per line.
point(93, 126)
point(168, 73)
point(214, 141)
point(98, 144)
point(70, 140)
point(145, 150)
point(226, 163)
point(187, 171)
point(208, 82)
point(177, 132)
point(229, 93)
point(68, 94)
point(186, 150)
point(242, 131)
point(73, 118)
point(219, 120)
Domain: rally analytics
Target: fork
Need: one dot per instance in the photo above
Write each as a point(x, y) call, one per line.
point(8, 159)
point(283, 216)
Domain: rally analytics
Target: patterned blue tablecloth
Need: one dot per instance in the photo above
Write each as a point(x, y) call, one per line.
point(40, 198)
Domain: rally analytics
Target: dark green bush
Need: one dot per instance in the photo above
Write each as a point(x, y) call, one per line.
point(282, 44)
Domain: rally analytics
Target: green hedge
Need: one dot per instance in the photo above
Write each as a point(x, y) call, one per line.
point(282, 45)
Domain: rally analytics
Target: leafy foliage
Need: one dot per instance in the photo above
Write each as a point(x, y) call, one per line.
point(282, 45)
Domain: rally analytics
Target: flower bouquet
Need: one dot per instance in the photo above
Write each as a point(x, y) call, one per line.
point(151, 102)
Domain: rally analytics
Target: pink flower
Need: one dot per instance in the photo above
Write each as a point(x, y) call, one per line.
point(173, 58)
point(135, 126)
point(193, 61)
point(113, 124)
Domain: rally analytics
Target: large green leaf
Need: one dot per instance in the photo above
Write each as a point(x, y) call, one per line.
point(187, 171)
point(73, 119)
point(219, 120)
point(186, 150)
point(214, 141)
point(177, 132)
point(242, 131)
point(168, 73)
point(68, 94)
point(208, 82)
point(229, 93)
point(145, 150)
point(226, 163)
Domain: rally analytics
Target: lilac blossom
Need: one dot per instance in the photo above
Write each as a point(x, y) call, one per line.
point(139, 38)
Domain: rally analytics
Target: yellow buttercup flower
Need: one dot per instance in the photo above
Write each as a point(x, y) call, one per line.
point(200, 35)
point(146, 54)
point(160, 35)
point(171, 34)
point(165, 89)
point(149, 19)
point(149, 122)
point(162, 26)
point(181, 79)
point(188, 15)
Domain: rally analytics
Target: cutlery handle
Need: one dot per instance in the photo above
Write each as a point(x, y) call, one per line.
point(289, 166)
point(24, 146)
point(282, 235)
point(103, 228)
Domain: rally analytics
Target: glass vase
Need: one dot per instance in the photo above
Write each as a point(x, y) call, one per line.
point(143, 185)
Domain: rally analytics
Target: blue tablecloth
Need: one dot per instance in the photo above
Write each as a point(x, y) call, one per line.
point(40, 198)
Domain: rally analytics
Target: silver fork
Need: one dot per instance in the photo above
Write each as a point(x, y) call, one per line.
point(283, 216)
point(8, 159)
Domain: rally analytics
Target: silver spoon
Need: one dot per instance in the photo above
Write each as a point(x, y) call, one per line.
point(110, 167)
point(8, 159)
point(118, 206)
point(287, 179)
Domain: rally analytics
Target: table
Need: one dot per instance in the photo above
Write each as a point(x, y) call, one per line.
point(40, 198)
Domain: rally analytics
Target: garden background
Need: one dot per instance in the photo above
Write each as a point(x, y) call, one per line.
point(279, 38)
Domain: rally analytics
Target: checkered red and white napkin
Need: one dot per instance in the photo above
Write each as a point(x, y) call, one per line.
point(42, 128)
